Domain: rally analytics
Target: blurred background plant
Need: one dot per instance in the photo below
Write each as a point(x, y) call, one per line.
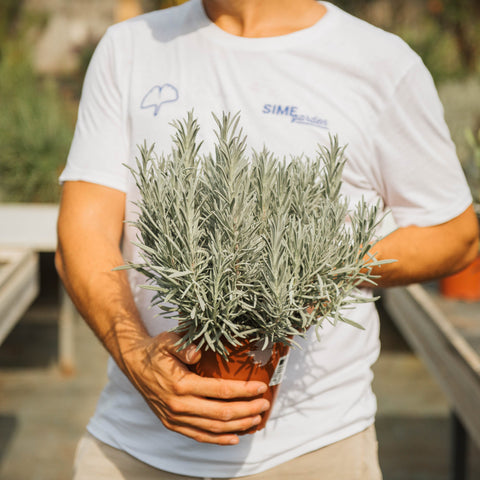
point(40, 85)
point(472, 166)
point(36, 125)
point(444, 32)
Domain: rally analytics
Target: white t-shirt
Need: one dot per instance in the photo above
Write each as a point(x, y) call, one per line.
point(341, 76)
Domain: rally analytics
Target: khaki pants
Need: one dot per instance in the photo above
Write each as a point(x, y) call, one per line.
point(354, 458)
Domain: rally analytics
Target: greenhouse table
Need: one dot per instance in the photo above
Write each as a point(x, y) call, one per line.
point(33, 227)
point(446, 335)
point(18, 286)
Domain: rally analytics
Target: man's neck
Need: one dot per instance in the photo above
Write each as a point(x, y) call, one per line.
point(263, 18)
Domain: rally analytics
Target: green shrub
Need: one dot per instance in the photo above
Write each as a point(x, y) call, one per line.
point(35, 129)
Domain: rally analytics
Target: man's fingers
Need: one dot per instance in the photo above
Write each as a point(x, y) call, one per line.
point(205, 437)
point(204, 386)
point(219, 388)
point(215, 426)
point(216, 410)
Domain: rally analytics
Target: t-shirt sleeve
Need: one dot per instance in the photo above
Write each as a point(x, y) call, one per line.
point(100, 144)
point(418, 172)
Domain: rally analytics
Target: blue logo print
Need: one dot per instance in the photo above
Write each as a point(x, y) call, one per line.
point(291, 112)
point(158, 95)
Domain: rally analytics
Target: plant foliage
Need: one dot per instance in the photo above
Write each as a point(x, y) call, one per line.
point(248, 246)
point(35, 129)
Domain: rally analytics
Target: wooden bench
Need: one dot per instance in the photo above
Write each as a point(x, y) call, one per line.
point(446, 336)
point(32, 227)
point(19, 285)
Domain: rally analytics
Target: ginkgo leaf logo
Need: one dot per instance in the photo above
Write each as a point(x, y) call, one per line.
point(158, 95)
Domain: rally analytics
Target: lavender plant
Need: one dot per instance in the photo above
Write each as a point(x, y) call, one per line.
point(239, 245)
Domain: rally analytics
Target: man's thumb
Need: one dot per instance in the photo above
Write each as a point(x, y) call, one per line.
point(173, 345)
point(189, 355)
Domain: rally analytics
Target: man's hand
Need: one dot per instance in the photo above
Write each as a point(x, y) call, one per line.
point(90, 228)
point(201, 408)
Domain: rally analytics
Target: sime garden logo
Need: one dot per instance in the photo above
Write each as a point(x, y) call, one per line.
point(291, 112)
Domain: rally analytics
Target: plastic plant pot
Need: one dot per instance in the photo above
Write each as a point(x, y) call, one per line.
point(464, 285)
point(248, 362)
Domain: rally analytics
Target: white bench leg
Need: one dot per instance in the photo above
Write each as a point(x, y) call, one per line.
point(66, 333)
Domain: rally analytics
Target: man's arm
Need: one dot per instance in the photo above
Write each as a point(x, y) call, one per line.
point(426, 253)
point(89, 232)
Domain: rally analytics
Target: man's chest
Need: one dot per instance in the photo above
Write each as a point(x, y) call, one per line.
point(288, 103)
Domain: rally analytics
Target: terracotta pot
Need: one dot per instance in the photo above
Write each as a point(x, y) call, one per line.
point(464, 285)
point(248, 362)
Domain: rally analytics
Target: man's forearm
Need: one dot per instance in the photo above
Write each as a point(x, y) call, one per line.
point(90, 228)
point(426, 253)
point(102, 296)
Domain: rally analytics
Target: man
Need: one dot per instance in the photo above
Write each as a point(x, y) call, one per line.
point(297, 71)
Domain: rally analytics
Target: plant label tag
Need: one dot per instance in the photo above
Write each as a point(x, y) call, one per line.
point(279, 372)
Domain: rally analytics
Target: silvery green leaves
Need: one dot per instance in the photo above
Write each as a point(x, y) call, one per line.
point(248, 245)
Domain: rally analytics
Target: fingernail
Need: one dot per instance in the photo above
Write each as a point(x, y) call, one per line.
point(262, 389)
point(265, 406)
point(190, 353)
point(256, 420)
point(233, 441)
